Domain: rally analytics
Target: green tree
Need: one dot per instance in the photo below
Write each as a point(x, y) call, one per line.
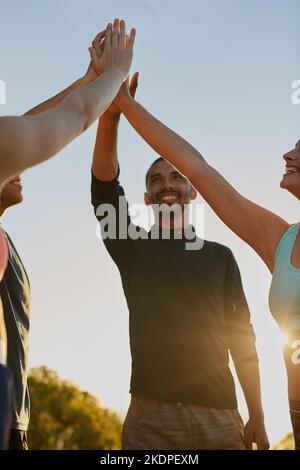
point(287, 443)
point(65, 417)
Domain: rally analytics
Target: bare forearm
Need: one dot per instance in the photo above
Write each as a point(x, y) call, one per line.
point(183, 156)
point(162, 139)
point(95, 98)
point(105, 159)
point(28, 140)
point(57, 99)
point(76, 113)
point(257, 226)
point(249, 378)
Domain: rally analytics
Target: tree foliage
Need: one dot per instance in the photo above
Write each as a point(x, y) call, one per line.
point(287, 443)
point(65, 417)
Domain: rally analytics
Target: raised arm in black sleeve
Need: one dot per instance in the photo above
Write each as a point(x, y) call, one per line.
point(108, 195)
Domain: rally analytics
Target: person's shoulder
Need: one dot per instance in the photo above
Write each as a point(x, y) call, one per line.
point(222, 252)
point(218, 247)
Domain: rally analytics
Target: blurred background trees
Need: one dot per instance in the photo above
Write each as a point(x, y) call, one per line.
point(65, 417)
point(287, 443)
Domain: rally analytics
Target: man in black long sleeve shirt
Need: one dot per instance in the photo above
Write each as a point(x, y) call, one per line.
point(187, 310)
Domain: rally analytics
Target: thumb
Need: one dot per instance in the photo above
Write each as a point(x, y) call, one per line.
point(248, 437)
point(134, 84)
point(248, 444)
point(93, 54)
point(262, 443)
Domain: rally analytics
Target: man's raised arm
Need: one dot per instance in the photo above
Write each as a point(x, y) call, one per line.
point(83, 81)
point(28, 140)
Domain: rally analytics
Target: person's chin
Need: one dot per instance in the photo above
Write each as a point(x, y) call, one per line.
point(17, 200)
point(285, 182)
point(282, 184)
point(295, 191)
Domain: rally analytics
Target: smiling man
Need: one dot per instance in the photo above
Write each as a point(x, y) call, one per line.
point(29, 140)
point(187, 310)
point(54, 114)
point(15, 295)
point(15, 292)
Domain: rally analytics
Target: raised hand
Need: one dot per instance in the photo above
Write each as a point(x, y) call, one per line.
point(90, 74)
point(127, 91)
point(117, 49)
point(133, 84)
point(96, 51)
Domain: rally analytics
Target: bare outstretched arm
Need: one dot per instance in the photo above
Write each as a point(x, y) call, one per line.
point(105, 158)
point(258, 227)
point(87, 78)
point(57, 99)
point(28, 140)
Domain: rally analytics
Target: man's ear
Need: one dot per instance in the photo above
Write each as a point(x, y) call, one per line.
point(147, 199)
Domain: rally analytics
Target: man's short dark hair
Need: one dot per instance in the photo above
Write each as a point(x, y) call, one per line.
point(160, 159)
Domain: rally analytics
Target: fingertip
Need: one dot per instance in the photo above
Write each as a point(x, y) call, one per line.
point(108, 33)
point(101, 35)
point(132, 35)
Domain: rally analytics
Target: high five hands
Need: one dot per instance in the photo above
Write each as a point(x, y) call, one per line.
point(113, 35)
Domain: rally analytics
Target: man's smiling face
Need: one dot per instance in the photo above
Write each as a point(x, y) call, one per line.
point(165, 185)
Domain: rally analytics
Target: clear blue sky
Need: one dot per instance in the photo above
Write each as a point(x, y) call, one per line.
point(219, 72)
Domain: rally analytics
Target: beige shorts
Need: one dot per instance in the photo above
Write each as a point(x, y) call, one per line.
point(158, 425)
